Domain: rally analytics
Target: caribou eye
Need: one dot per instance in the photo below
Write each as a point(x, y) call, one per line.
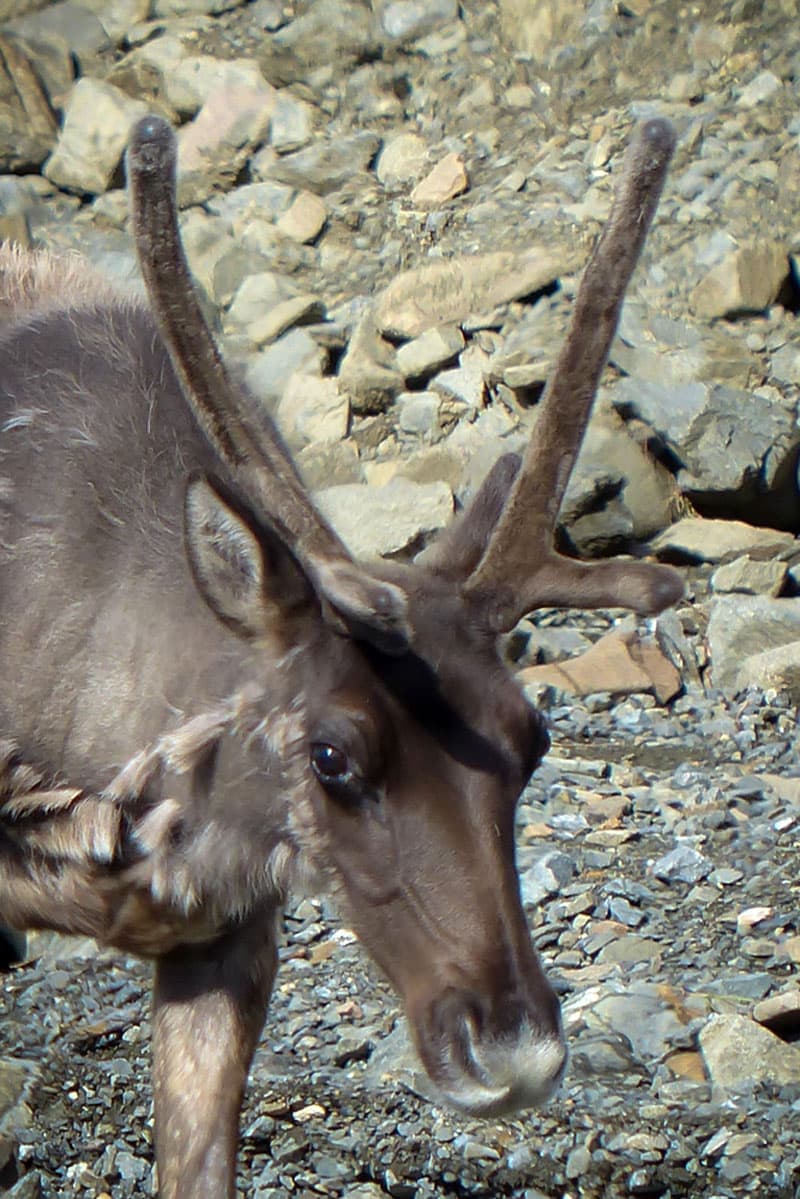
point(329, 764)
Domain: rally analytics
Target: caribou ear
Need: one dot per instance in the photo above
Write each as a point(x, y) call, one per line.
point(243, 571)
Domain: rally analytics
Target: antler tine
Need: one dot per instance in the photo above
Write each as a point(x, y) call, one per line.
point(212, 395)
point(364, 606)
point(520, 570)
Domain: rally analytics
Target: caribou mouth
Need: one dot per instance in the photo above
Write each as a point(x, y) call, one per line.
point(487, 1078)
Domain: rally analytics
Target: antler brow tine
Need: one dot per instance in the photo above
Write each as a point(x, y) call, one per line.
point(520, 570)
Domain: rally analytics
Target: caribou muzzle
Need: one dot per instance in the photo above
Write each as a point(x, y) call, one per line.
point(489, 1066)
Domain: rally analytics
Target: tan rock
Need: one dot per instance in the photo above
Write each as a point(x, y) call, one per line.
point(738, 1052)
point(686, 1064)
point(746, 280)
point(622, 663)
point(305, 218)
point(447, 180)
point(772, 670)
point(401, 159)
point(750, 577)
point(441, 293)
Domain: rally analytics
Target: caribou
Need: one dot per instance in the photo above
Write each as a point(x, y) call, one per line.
point(206, 699)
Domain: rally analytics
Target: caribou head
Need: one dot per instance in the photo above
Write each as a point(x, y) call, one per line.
point(258, 702)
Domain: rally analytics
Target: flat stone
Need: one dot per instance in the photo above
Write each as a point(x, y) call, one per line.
point(750, 577)
point(622, 663)
point(447, 180)
point(407, 20)
point(738, 1052)
point(257, 294)
point(292, 124)
point(418, 413)
point(268, 371)
point(441, 293)
point(325, 464)
point(433, 349)
point(389, 521)
point(683, 864)
point(324, 166)
point(696, 539)
point(297, 310)
point(785, 364)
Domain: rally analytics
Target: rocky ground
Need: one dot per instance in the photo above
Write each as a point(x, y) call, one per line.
point(387, 206)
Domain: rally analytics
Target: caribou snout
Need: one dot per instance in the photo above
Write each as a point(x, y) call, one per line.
point(492, 1060)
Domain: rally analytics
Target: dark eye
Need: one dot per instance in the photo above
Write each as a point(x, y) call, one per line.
point(329, 764)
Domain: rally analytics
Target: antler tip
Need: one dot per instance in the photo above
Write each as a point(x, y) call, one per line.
point(152, 145)
point(666, 589)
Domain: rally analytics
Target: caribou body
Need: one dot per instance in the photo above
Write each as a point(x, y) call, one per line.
point(204, 696)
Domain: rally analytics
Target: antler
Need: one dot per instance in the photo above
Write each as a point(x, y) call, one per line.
point(253, 449)
point(520, 570)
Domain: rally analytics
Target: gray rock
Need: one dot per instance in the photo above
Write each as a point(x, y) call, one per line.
point(746, 280)
point(304, 219)
point(694, 539)
point(213, 148)
point(741, 626)
point(402, 159)
point(328, 464)
point(391, 521)
point(324, 166)
point(170, 8)
point(297, 310)
point(750, 577)
point(268, 372)
point(97, 124)
point(28, 128)
point(546, 876)
point(75, 24)
point(536, 30)
point(311, 409)
point(118, 17)
point(434, 348)
point(258, 293)
point(197, 76)
point(771, 670)
point(368, 370)
point(682, 865)
point(785, 364)
point(407, 20)
point(418, 413)
point(339, 32)
point(292, 124)
point(660, 349)
point(734, 447)
point(738, 1053)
